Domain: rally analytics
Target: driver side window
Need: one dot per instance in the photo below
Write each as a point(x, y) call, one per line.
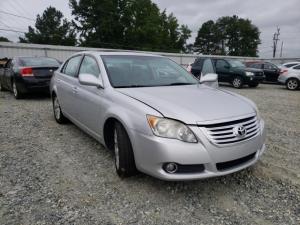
point(89, 66)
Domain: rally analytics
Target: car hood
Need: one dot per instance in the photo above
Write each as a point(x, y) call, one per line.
point(191, 104)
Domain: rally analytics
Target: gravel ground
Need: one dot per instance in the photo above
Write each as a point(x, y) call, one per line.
point(53, 174)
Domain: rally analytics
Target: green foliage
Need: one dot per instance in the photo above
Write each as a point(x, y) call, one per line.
point(130, 24)
point(50, 28)
point(4, 39)
point(228, 36)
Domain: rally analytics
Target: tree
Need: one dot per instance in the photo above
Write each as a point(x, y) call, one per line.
point(228, 36)
point(4, 39)
point(130, 24)
point(50, 28)
point(208, 39)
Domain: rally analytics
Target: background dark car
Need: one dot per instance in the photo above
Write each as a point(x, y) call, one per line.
point(27, 74)
point(236, 73)
point(271, 71)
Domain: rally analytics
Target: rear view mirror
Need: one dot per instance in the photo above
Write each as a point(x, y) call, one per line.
point(89, 80)
point(210, 79)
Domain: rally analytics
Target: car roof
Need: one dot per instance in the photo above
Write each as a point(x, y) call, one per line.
point(291, 63)
point(97, 53)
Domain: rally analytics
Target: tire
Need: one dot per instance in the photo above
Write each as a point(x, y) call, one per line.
point(1, 87)
point(292, 84)
point(58, 115)
point(253, 85)
point(237, 82)
point(124, 157)
point(16, 91)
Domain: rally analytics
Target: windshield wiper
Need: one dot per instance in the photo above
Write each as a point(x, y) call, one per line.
point(180, 83)
point(133, 86)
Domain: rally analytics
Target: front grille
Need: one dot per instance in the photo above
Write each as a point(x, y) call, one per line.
point(227, 133)
point(233, 163)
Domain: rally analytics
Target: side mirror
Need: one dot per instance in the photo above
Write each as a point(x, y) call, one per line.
point(89, 80)
point(227, 67)
point(210, 79)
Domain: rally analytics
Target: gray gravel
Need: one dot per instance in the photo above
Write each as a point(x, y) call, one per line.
point(53, 174)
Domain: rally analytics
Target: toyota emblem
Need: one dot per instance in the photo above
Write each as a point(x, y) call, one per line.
point(240, 131)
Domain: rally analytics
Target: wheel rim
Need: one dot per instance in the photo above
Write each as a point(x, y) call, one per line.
point(236, 82)
point(292, 84)
point(116, 147)
point(56, 108)
point(15, 90)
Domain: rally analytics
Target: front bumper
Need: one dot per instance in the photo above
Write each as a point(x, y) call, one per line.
point(282, 79)
point(255, 79)
point(152, 152)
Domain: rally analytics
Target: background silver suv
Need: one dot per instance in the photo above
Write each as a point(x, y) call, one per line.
point(157, 117)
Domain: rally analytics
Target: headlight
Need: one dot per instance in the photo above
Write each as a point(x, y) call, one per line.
point(249, 74)
point(168, 128)
point(257, 114)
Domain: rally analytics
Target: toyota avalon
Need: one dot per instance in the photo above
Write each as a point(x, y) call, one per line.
point(156, 117)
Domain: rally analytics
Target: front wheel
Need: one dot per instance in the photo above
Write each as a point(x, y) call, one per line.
point(237, 82)
point(253, 84)
point(124, 157)
point(58, 115)
point(292, 84)
point(1, 87)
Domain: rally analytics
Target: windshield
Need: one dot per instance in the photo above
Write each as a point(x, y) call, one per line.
point(145, 71)
point(39, 61)
point(236, 63)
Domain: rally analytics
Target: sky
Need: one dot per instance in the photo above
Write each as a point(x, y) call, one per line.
point(266, 15)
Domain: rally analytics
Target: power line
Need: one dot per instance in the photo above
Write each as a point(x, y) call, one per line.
point(12, 30)
point(11, 14)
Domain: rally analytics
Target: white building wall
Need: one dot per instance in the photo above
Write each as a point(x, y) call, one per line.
point(9, 50)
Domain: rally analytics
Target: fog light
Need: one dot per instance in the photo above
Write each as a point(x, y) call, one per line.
point(170, 167)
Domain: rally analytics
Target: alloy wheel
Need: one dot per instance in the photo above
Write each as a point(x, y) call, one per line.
point(292, 84)
point(15, 90)
point(56, 107)
point(237, 82)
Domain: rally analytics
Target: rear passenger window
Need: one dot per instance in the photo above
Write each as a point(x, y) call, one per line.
point(257, 66)
point(89, 66)
point(71, 66)
point(297, 67)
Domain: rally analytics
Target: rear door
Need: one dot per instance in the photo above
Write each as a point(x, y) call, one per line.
point(67, 83)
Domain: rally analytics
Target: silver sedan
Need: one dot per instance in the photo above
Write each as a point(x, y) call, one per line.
point(157, 117)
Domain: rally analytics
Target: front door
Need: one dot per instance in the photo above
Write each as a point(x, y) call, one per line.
point(271, 72)
point(223, 70)
point(90, 100)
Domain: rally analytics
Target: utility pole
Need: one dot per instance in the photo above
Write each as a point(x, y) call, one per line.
point(275, 40)
point(281, 49)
